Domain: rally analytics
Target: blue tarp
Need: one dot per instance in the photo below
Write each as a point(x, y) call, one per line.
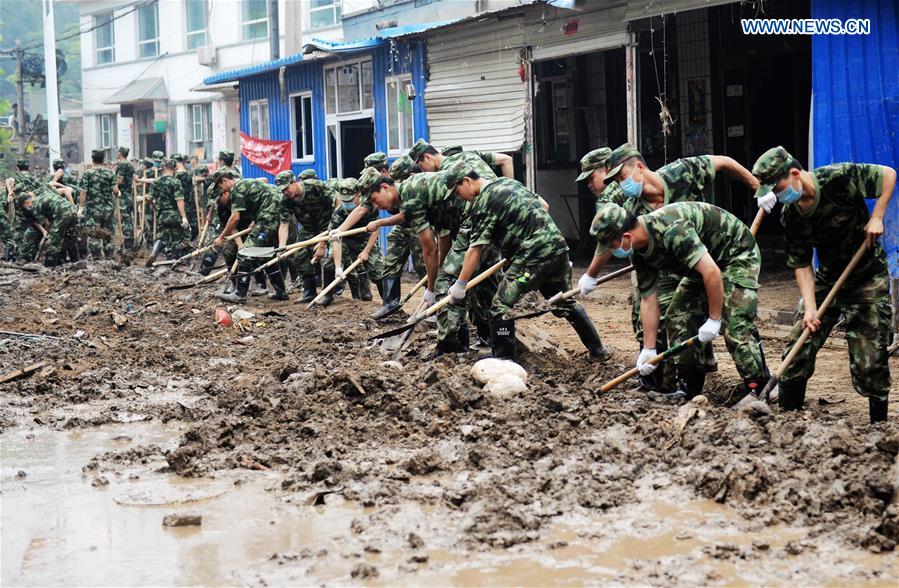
point(855, 89)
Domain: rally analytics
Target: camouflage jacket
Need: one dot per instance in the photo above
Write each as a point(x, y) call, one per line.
point(314, 208)
point(340, 215)
point(24, 182)
point(510, 216)
point(124, 172)
point(258, 202)
point(681, 234)
point(425, 202)
point(98, 182)
point(51, 207)
point(835, 224)
point(691, 179)
point(166, 194)
point(481, 161)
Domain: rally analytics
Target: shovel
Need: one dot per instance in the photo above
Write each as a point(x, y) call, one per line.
point(655, 360)
point(295, 247)
point(335, 283)
point(788, 360)
point(571, 293)
point(207, 280)
point(421, 283)
point(200, 251)
point(441, 304)
point(157, 248)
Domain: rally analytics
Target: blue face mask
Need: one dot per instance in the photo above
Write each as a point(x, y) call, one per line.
point(788, 195)
point(348, 205)
point(622, 253)
point(631, 188)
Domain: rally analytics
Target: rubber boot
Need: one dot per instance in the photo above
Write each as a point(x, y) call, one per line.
point(242, 285)
point(328, 278)
point(308, 289)
point(877, 409)
point(391, 296)
point(208, 261)
point(502, 340)
point(692, 381)
point(364, 286)
point(277, 279)
point(791, 394)
point(261, 288)
point(317, 268)
point(483, 334)
point(585, 329)
point(354, 286)
point(456, 344)
point(50, 260)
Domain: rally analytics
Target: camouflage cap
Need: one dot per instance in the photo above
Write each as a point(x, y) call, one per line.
point(451, 150)
point(418, 150)
point(59, 164)
point(98, 153)
point(284, 179)
point(347, 188)
point(227, 156)
point(376, 159)
point(123, 151)
point(22, 163)
point(308, 174)
point(367, 179)
point(593, 161)
point(147, 161)
point(616, 160)
point(455, 173)
point(401, 168)
point(220, 174)
point(177, 157)
point(158, 154)
point(607, 223)
point(768, 168)
point(169, 163)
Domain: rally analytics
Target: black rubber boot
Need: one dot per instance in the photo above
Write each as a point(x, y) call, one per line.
point(691, 381)
point(50, 260)
point(364, 286)
point(261, 288)
point(791, 394)
point(277, 279)
point(450, 345)
point(483, 334)
point(317, 268)
point(583, 326)
point(328, 278)
point(208, 261)
point(308, 289)
point(391, 296)
point(877, 409)
point(242, 285)
point(502, 339)
point(354, 286)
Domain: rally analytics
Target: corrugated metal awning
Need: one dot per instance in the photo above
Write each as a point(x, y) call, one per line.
point(475, 96)
point(146, 90)
point(236, 74)
point(637, 9)
point(596, 27)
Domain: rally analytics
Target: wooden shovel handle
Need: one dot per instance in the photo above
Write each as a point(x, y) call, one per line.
point(334, 283)
point(757, 222)
point(412, 292)
point(441, 304)
point(655, 360)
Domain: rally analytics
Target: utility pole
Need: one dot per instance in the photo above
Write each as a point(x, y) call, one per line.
point(274, 37)
point(20, 100)
point(51, 84)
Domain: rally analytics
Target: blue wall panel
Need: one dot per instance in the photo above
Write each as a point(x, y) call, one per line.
point(855, 85)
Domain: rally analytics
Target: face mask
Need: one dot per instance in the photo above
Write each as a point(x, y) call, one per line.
point(622, 253)
point(788, 195)
point(631, 188)
point(348, 205)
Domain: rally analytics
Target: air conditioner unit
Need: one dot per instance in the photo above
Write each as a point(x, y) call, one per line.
point(207, 55)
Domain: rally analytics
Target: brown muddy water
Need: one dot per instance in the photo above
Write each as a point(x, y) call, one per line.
point(63, 524)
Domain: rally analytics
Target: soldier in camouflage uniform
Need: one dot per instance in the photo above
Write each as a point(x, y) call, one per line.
point(182, 174)
point(173, 227)
point(253, 201)
point(213, 194)
point(124, 179)
point(824, 211)
point(23, 233)
point(312, 209)
point(718, 262)
point(348, 249)
point(507, 215)
point(58, 217)
point(308, 174)
point(377, 160)
point(96, 203)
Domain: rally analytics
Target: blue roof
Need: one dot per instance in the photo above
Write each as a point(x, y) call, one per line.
point(234, 74)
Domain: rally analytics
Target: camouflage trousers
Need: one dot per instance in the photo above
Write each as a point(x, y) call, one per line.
point(60, 237)
point(7, 236)
point(866, 311)
point(549, 276)
point(27, 244)
point(401, 243)
point(100, 219)
point(174, 237)
point(126, 210)
point(478, 300)
point(688, 310)
point(352, 247)
point(302, 259)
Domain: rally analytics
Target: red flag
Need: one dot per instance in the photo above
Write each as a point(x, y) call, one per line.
point(269, 156)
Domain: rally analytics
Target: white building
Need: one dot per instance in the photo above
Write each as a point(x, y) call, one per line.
point(143, 64)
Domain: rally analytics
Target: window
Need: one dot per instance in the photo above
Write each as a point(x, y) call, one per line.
point(201, 130)
point(107, 135)
point(148, 30)
point(561, 136)
point(324, 13)
point(348, 87)
point(104, 36)
point(301, 113)
point(255, 19)
point(196, 23)
point(259, 119)
point(399, 115)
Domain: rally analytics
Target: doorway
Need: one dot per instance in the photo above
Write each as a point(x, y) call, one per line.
point(153, 142)
point(357, 139)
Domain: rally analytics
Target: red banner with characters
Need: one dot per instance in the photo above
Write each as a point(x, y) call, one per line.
point(269, 156)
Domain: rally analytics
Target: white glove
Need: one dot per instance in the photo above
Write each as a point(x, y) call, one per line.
point(332, 233)
point(709, 330)
point(184, 223)
point(457, 291)
point(80, 212)
point(587, 284)
point(767, 202)
point(428, 298)
point(643, 364)
point(338, 271)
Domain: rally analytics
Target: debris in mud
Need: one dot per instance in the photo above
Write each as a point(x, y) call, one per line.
point(100, 481)
point(21, 475)
point(364, 571)
point(182, 520)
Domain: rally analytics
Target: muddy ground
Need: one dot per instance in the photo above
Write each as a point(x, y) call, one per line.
point(303, 397)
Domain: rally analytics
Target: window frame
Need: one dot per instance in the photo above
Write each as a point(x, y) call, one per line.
point(257, 104)
point(107, 139)
point(400, 80)
point(205, 127)
point(106, 48)
point(141, 43)
point(189, 34)
point(363, 109)
point(301, 151)
point(336, 8)
point(245, 23)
